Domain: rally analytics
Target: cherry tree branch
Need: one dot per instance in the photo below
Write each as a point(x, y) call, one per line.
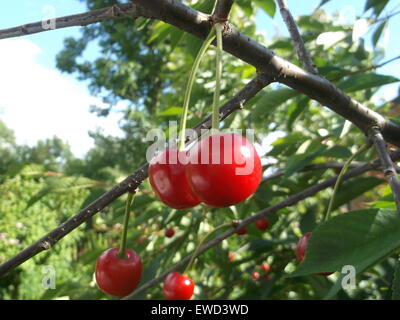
point(222, 9)
point(252, 52)
point(265, 60)
point(387, 165)
point(290, 201)
point(298, 42)
point(115, 12)
point(130, 183)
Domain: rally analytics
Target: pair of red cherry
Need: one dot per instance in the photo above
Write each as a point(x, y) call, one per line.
point(262, 224)
point(220, 170)
point(265, 267)
point(119, 277)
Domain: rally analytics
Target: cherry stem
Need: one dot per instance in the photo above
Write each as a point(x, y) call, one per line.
point(191, 262)
point(218, 72)
point(340, 178)
point(122, 253)
point(186, 99)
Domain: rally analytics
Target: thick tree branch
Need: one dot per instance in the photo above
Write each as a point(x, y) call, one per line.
point(387, 165)
point(117, 11)
point(222, 9)
point(263, 213)
point(298, 42)
point(265, 61)
point(128, 184)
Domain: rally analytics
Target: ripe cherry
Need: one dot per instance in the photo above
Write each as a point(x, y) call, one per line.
point(231, 256)
point(242, 231)
point(265, 266)
point(262, 224)
point(178, 287)
point(223, 169)
point(301, 251)
point(255, 275)
point(115, 276)
point(168, 180)
point(169, 233)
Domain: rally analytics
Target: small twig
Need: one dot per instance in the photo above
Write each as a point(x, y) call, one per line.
point(265, 212)
point(298, 42)
point(116, 11)
point(387, 165)
point(130, 183)
point(362, 70)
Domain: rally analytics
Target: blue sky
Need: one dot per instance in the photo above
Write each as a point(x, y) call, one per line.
point(37, 101)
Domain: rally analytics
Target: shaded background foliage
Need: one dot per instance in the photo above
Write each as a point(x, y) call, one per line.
point(139, 73)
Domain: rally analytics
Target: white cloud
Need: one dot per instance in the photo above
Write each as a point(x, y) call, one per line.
point(38, 102)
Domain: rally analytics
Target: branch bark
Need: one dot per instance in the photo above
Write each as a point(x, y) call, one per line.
point(130, 183)
point(298, 42)
point(222, 9)
point(387, 165)
point(115, 12)
point(263, 213)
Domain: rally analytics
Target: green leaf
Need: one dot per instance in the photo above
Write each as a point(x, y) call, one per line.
point(376, 5)
point(308, 221)
point(337, 152)
point(365, 81)
point(396, 282)
point(357, 238)
point(172, 111)
point(270, 100)
point(322, 3)
point(295, 110)
point(353, 189)
point(246, 6)
point(378, 32)
point(299, 161)
point(267, 5)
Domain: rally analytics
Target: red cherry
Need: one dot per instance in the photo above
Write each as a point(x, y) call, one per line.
point(255, 275)
point(178, 287)
point(168, 179)
point(265, 266)
point(262, 224)
point(115, 276)
point(268, 277)
point(242, 231)
point(302, 246)
point(301, 251)
point(223, 169)
point(231, 256)
point(169, 232)
point(141, 239)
